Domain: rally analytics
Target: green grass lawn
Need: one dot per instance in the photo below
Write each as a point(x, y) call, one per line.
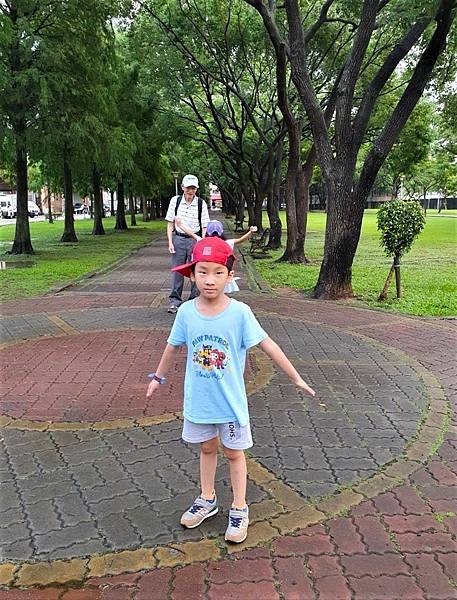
point(428, 271)
point(56, 263)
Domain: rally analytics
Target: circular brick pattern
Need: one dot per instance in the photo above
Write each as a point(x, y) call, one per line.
point(94, 376)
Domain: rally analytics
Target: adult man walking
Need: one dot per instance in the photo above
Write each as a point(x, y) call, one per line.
point(194, 213)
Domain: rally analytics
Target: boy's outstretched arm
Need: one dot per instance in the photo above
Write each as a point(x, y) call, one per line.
point(167, 356)
point(279, 358)
point(247, 235)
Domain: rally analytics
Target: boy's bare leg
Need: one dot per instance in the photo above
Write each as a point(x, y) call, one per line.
point(208, 464)
point(238, 476)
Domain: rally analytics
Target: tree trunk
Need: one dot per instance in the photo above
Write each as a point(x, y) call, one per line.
point(273, 201)
point(385, 289)
point(132, 208)
point(22, 243)
point(294, 252)
point(274, 240)
point(121, 223)
point(50, 217)
point(69, 233)
point(98, 228)
point(144, 208)
point(397, 276)
point(342, 233)
point(111, 193)
point(259, 195)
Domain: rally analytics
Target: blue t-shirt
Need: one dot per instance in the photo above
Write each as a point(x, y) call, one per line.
point(214, 390)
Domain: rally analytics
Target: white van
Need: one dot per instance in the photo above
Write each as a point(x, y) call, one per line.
point(7, 206)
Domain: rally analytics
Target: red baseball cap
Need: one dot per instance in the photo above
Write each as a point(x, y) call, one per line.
point(210, 249)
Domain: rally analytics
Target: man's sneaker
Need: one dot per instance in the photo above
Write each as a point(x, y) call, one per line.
point(237, 529)
point(172, 309)
point(200, 510)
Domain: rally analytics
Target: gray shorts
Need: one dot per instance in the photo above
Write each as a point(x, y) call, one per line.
point(231, 435)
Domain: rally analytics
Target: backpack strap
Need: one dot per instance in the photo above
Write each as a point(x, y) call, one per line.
point(200, 208)
point(178, 202)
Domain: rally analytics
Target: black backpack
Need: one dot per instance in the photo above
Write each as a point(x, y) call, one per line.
point(200, 208)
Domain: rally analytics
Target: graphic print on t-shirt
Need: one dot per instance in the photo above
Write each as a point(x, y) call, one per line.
point(210, 356)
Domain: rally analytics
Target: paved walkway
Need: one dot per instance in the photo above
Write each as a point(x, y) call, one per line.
point(353, 495)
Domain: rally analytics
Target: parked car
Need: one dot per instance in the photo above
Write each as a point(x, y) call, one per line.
point(33, 209)
point(80, 209)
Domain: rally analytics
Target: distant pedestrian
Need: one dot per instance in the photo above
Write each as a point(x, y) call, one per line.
point(216, 229)
point(193, 213)
point(217, 331)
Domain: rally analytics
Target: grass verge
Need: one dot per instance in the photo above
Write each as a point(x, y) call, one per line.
point(428, 271)
point(56, 263)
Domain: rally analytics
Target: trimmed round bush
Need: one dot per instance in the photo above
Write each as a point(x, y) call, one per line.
point(400, 222)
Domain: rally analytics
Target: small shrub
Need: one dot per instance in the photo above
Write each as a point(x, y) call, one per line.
point(400, 222)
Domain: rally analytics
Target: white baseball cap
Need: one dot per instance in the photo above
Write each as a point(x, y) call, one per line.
point(190, 181)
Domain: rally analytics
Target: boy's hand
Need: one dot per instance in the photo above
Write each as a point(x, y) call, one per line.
point(253, 229)
point(304, 386)
point(152, 388)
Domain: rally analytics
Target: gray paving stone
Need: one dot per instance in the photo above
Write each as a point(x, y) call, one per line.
point(109, 469)
point(42, 480)
point(310, 475)
point(111, 490)
point(81, 458)
point(352, 463)
point(13, 533)
point(140, 455)
point(315, 490)
point(120, 442)
point(175, 479)
point(87, 476)
point(83, 549)
point(42, 516)
point(117, 505)
point(11, 515)
point(23, 466)
point(49, 460)
point(154, 489)
point(118, 532)
point(152, 527)
point(20, 550)
point(72, 509)
point(9, 497)
point(65, 537)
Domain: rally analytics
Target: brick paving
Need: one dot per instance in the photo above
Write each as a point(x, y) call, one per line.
point(81, 355)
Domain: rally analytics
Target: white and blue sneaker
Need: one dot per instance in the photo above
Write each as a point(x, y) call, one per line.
point(237, 530)
point(200, 510)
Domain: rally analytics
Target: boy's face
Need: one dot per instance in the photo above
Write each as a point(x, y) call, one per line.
point(211, 278)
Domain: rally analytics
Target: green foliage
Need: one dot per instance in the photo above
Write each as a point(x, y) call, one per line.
point(400, 222)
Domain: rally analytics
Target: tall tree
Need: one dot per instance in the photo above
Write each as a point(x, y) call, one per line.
point(416, 36)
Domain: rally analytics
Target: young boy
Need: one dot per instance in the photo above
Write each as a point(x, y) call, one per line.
point(217, 331)
point(216, 229)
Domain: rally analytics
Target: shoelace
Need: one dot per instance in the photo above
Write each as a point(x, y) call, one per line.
point(196, 507)
point(235, 521)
